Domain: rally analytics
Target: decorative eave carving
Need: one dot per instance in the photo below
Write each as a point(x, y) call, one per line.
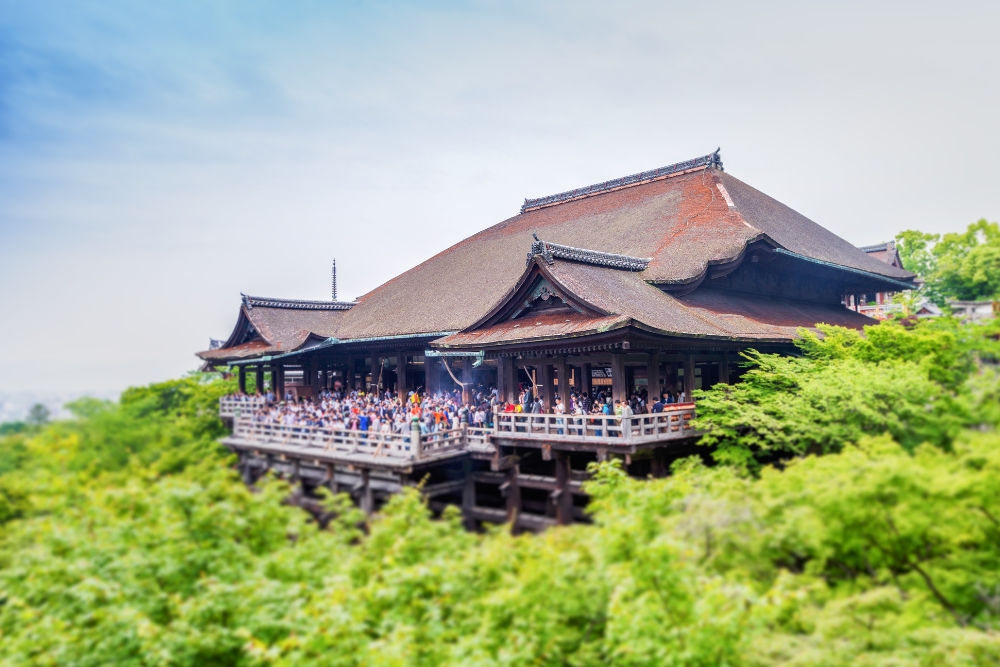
point(711, 160)
point(549, 252)
point(295, 304)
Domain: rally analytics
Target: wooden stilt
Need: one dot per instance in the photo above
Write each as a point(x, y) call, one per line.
point(513, 492)
point(563, 496)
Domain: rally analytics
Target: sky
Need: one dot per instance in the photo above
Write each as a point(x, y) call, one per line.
point(158, 159)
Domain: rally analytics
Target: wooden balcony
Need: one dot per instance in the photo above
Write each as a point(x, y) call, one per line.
point(404, 451)
point(235, 405)
point(596, 431)
point(368, 448)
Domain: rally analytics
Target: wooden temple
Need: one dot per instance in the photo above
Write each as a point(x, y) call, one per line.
point(653, 281)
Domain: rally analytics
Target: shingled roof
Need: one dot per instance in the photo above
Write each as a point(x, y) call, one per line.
point(617, 298)
point(678, 223)
point(266, 326)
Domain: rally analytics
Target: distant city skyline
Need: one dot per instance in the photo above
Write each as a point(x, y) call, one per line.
point(157, 160)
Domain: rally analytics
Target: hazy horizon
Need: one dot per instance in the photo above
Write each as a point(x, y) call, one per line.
point(157, 160)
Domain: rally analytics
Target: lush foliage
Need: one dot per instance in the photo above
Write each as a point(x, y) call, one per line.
point(960, 265)
point(126, 540)
point(921, 382)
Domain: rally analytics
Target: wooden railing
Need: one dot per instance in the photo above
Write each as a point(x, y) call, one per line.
point(316, 439)
point(673, 422)
point(235, 405)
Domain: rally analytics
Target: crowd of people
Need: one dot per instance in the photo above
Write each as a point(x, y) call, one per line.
point(389, 412)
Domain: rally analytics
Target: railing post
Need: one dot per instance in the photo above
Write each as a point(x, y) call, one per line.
point(415, 436)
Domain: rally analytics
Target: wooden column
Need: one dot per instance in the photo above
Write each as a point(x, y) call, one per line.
point(513, 491)
point(547, 389)
point(619, 392)
point(312, 369)
point(563, 495)
point(468, 496)
point(402, 384)
point(724, 370)
point(586, 375)
point(653, 377)
point(376, 371)
point(242, 375)
point(367, 501)
point(671, 376)
point(349, 375)
point(506, 379)
point(562, 374)
point(278, 373)
point(467, 380)
point(688, 377)
point(658, 466)
point(432, 371)
point(259, 378)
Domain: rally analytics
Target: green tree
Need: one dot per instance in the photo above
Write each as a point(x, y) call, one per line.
point(960, 265)
point(38, 415)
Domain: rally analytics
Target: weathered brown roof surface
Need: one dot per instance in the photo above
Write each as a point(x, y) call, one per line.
point(682, 223)
point(795, 232)
point(253, 348)
point(628, 299)
point(282, 329)
point(290, 328)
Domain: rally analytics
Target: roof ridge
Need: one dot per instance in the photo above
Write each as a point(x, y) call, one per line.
point(710, 160)
point(878, 247)
point(551, 251)
point(294, 304)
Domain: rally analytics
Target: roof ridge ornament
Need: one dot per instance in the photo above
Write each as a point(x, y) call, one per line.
point(294, 304)
point(552, 251)
point(712, 160)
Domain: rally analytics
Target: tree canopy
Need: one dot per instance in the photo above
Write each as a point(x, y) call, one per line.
point(960, 265)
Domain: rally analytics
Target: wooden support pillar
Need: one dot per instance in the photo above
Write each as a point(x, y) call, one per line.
point(432, 370)
point(506, 380)
point(467, 380)
point(331, 479)
point(547, 389)
point(513, 491)
point(653, 377)
point(689, 378)
point(468, 496)
point(242, 375)
point(376, 371)
point(671, 376)
point(245, 469)
point(403, 387)
point(563, 496)
point(349, 375)
point(562, 374)
point(619, 392)
point(259, 378)
point(366, 501)
point(724, 370)
point(278, 373)
point(311, 368)
point(586, 375)
point(658, 467)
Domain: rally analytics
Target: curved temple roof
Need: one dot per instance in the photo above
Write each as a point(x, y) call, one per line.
point(679, 223)
point(664, 228)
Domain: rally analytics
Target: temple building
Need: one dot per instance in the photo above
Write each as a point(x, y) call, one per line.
point(651, 282)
